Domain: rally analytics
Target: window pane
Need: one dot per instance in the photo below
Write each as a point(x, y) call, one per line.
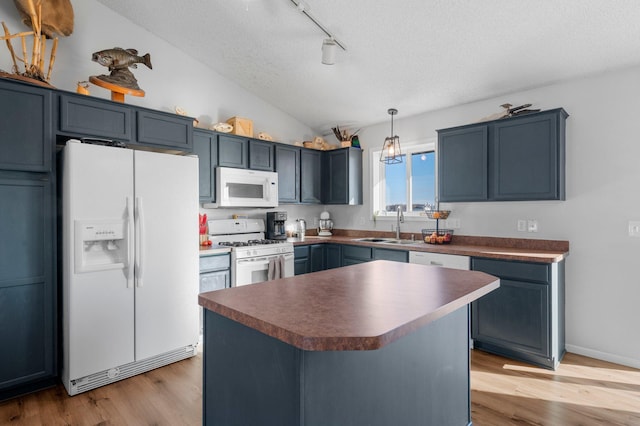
point(423, 180)
point(395, 186)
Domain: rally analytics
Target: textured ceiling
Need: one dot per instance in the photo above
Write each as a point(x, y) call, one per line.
point(414, 55)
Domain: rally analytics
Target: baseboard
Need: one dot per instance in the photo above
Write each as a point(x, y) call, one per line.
point(604, 356)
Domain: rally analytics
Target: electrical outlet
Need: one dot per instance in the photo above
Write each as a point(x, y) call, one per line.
point(634, 228)
point(532, 225)
point(522, 225)
point(315, 222)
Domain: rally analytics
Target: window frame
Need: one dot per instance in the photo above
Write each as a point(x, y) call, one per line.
point(377, 172)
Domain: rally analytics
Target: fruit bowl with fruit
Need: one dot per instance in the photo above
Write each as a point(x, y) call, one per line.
point(437, 214)
point(437, 236)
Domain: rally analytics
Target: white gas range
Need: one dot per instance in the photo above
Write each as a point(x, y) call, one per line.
point(253, 258)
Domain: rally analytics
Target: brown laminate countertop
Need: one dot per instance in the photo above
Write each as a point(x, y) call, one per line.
point(523, 249)
point(358, 307)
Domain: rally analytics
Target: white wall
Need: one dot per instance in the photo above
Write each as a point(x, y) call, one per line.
point(603, 194)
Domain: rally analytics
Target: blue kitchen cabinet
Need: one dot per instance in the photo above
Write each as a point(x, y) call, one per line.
point(342, 173)
point(524, 319)
point(233, 151)
point(261, 155)
point(205, 146)
point(310, 258)
point(310, 176)
point(163, 130)
point(28, 291)
point(25, 128)
point(513, 159)
point(463, 164)
point(215, 274)
point(287, 160)
point(352, 255)
point(80, 116)
point(333, 256)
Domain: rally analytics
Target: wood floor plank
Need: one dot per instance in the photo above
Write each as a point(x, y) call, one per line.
point(582, 391)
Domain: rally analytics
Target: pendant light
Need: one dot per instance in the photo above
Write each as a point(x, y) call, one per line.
point(391, 153)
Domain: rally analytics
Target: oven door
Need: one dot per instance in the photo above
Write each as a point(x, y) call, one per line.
point(255, 269)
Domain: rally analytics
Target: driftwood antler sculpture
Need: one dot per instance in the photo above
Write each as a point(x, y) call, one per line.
point(46, 18)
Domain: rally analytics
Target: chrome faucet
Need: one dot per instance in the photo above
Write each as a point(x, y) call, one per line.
point(399, 218)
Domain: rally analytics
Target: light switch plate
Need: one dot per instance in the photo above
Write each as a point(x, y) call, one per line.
point(532, 225)
point(634, 228)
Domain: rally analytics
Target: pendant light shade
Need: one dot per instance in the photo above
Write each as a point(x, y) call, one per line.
point(391, 153)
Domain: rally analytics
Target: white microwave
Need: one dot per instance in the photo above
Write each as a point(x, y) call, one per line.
point(245, 188)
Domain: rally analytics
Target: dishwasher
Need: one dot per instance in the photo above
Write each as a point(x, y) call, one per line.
point(452, 261)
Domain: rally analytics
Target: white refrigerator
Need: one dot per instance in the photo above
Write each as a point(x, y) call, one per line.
point(130, 262)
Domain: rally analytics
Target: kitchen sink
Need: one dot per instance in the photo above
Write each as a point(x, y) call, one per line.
point(384, 240)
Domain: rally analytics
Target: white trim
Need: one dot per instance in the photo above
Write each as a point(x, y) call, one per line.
point(604, 356)
point(377, 190)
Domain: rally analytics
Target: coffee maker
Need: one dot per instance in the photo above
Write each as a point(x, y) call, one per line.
point(275, 225)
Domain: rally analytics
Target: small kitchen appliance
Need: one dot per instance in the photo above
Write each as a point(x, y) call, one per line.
point(252, 256)
point(245, 188)
point(325, 225)
point(275, 225)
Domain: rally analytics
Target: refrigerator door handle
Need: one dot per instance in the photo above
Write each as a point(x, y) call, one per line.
point(139, 242)
point(130, 248)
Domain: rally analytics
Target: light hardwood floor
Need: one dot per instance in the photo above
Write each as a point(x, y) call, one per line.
point(582, 391)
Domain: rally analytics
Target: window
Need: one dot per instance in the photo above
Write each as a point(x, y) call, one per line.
point(410, 184)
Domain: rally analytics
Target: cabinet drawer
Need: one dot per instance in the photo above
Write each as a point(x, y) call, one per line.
point(212, 263)
point(357, 252)
point(92, 117)
point(515, 270)
point(166, 130)
point(211, 281)
point(301, 251)
point(395, 255)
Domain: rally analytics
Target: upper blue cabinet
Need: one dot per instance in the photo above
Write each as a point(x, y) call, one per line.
point(513, 159)
point(25, 128)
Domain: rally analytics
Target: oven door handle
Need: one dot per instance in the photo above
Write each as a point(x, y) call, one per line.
point(264, 260)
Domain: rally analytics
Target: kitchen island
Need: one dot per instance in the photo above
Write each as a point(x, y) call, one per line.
point(377, 343)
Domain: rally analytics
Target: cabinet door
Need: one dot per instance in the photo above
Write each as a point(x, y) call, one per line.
point(395, 255)
point(514, 320)
point(514, 317)
point(310, 176)
point(205, 146)
point(301, 260)
point(336, 189)
point(28, 297)
point(288, 168)
point(317, 258)
point(84, 116)
point(463, 164)
point(164, 130)
point(342, 173)
point(333, 256)
point(233, 151)
point(525, 159)
point(25, 128)
point(261, 155)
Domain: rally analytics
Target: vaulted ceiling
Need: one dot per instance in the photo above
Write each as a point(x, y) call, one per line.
point(414, 55)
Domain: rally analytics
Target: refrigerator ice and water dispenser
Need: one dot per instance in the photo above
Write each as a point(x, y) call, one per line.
point(100, 245)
